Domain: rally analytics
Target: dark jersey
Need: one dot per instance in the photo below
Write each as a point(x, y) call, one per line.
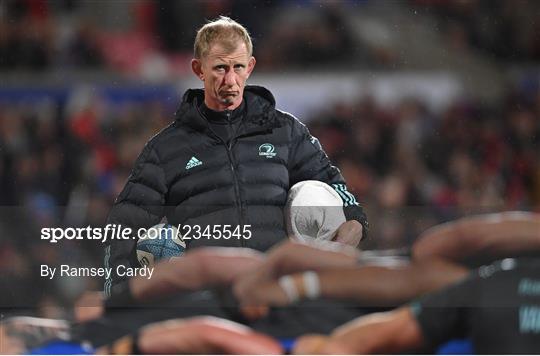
point(497, 307)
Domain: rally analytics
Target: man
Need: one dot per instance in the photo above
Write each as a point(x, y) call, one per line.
point(497, 307)
point(227, 161)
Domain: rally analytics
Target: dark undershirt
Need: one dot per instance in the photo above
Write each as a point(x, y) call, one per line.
point(224, 124)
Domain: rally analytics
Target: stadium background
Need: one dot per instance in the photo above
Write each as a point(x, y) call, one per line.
point(430, 108)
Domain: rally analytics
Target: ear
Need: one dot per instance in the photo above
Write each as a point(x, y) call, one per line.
point(196, 67)
point(251, 65)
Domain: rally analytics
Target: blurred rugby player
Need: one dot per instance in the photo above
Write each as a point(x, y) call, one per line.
point(497, 307)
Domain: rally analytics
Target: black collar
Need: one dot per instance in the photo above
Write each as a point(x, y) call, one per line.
point(259, 111)
point(223, 117)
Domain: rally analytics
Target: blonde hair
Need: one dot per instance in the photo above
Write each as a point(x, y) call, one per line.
point(224, 30)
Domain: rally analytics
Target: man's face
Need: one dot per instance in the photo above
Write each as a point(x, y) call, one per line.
point(224, 74)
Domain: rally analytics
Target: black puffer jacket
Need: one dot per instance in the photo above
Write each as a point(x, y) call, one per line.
point(192, 177)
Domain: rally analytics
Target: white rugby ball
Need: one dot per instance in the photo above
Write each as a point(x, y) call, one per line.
point(314, 210)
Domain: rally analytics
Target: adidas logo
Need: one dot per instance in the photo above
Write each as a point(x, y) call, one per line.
point(193, 162)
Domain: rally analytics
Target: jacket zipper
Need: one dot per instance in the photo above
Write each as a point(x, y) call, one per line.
point(235, 178)
point(228, 148)
point(239, 205)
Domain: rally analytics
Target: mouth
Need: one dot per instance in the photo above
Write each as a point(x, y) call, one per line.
point(228, 92)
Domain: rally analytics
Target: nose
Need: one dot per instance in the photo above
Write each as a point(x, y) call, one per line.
point(230, 78)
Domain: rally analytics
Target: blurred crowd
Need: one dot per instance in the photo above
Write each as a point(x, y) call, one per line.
point(155, 36)
point(414, 168)
point(506, 30)
point(60, 166)
point(42, 35)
